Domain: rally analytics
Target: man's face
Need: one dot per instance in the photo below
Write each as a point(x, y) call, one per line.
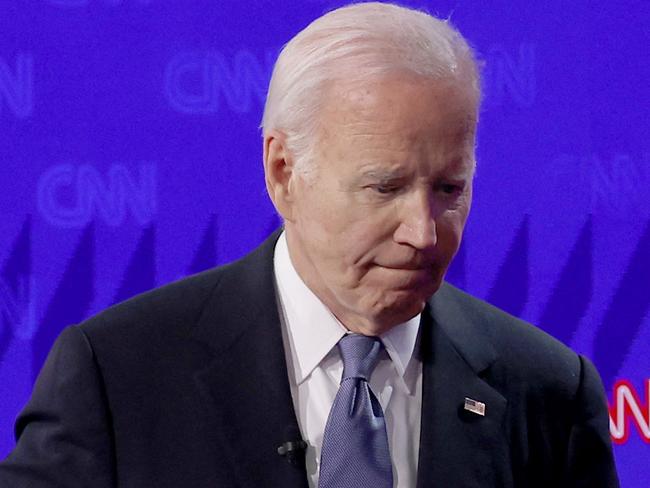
point(373, 232)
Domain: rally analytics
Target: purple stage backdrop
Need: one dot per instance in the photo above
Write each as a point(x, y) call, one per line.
point(131, 156)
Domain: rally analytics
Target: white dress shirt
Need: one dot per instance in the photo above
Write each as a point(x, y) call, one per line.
point(310, 334)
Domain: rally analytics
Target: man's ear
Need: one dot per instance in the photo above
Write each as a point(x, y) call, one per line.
point(279, 172)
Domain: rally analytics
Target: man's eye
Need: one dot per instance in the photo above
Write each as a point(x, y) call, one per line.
point(384, 189)
point(450, 188)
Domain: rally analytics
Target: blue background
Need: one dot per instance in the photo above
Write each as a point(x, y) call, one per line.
point(130, 156)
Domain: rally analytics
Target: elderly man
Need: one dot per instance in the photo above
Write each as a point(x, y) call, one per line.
point(334, 355)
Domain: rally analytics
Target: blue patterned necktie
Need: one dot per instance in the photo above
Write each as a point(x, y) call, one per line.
point(355, 444)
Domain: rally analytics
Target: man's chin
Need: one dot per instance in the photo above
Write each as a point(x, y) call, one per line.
point(417, 291)
point(398, 313)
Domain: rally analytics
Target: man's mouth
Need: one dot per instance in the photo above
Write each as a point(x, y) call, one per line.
point(409, 266)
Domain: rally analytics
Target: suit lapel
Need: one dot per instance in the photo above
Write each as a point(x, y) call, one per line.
point(245, 387)
point(458, 448)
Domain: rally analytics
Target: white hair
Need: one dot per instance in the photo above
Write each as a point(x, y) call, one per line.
point(359, 42)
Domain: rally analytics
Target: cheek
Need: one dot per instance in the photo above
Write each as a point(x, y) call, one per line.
point(450, 232)
point(342, 231)
point(369, 241)
point(333, 246)
point(348, 257)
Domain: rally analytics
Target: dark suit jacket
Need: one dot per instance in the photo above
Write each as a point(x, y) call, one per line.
point(187, 386)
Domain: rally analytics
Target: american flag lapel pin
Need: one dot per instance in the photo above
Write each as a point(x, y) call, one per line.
point(475, 407)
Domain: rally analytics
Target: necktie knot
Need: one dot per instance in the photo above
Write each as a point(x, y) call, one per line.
point(360, 355)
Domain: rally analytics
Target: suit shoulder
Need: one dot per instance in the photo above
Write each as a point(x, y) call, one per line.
point(178, 300)
point(170, 308)
point(523, 349)
point(175, 308)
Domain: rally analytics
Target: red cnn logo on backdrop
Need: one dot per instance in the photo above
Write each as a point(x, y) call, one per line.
point(626, 409)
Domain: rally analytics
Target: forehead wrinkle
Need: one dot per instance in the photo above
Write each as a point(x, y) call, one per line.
point(372, 123)
point(370, 111)
point(384, 173)
point(375, 134)
point(454, 137)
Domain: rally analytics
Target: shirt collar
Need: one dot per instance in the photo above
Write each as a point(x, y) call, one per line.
point(312, 328)
point(400, 344)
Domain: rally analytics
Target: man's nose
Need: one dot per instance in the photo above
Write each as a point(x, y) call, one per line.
point(417, 227)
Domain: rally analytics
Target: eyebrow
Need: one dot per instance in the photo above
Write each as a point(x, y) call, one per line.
point(382, 174)
point(463, 172)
